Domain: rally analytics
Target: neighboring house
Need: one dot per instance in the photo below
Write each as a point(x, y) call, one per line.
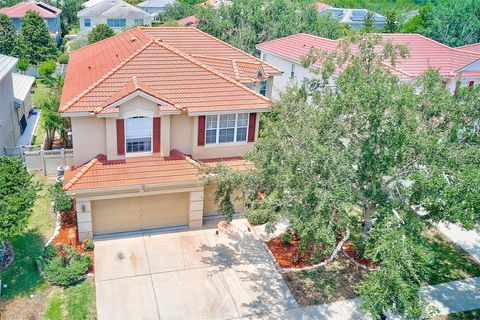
point(354, 18)
point(471, 47)
point(190, 21)
point(154, 7)
point(117, 14)
point(454, 64)
point(147, 108)
point(15, 102)
point(50, 15)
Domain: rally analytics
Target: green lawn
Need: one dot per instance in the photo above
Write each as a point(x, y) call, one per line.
point(75, 302)
point(41, 93)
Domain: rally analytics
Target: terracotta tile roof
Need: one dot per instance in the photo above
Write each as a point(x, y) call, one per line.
point(424, 52)
point(471, 47)
point(322, 6)
point(98, 72)
point(103, 173)
point(240, 70)
point(20, 9)
point(190, 21)
point(235, 163)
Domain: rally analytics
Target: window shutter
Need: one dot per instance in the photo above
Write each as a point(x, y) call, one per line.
point(252, 122)
point(120, 137)
point(156, 134)
point(201, 131)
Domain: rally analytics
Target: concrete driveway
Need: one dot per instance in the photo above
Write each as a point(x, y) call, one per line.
point(189, 275)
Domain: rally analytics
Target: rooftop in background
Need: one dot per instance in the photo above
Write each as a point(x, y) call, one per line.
point(190, 21)
point(112, 9)
point(352, 17)
point(20, 9)
point(424, 52)
point(21, 86)
point(154, 3)
point(177, 71)
point(102, 173)
point(471, 47)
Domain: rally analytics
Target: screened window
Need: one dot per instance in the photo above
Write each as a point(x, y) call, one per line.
point(292, 71)
point(226, 128)
point(116, 23)
point(138, 21)
point(263, 87)
point(138, 134)
point(87, 23)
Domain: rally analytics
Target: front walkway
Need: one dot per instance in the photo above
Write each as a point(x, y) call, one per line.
point(468, 240)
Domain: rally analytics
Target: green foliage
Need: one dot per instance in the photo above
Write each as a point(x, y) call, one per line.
point(455, 23)
point(190, 2)
point(88, 245)
point(369, 23)
point(17, 195)
point(34, 42)
point(419, 22)
point(243, 25)
point(47, 68)
point(392, 25)
point(63, 265)
point(287, 238)
point(70, 9)
point(61, 201)
point(257, 217)
point(7, 35)
point(100, 32)
point(63, 58)
point(23, 64)
point(177, 11)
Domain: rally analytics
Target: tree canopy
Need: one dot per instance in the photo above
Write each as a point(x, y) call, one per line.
point(7, 35)
point(375, 156)
point(34, 42)
point(100, 32)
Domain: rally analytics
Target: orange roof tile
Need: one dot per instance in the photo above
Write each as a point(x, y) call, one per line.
point(103, 173)
point(322, 6)
point(98, 72)
point(242, 71)
point(471, 47)
point(190, 21)
point(235, 163)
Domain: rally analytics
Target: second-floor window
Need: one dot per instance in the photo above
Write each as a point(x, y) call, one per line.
point(263, 87)
point(87, 23)
point(292, 71)
point(138, 21)
point(138, 134)
point(226, 128)
point(116, 23)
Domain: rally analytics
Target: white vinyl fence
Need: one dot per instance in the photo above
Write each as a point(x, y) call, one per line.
point(36, 159)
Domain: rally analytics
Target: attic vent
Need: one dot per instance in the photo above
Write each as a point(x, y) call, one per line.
point(89, 67)
point(133, 39)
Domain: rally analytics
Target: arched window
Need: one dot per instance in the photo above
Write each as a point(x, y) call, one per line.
point(138, 134)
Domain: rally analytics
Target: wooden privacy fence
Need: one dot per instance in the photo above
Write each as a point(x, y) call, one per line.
point(36, 159)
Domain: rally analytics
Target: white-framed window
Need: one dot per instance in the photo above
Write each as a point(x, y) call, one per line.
point(87, 22)
point(264, 57)
point(138, 21)
point(138, 134)
point(292, 71)
point(116, 23)
point(263, 87)
point(226, 128)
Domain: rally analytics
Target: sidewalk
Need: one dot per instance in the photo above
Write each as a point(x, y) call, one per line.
point(468, 240)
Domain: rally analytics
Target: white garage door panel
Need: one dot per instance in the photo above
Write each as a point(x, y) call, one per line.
point(147, 212)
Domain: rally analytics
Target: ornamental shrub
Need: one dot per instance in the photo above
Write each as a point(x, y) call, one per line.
point(61, 201)
point(63, 58)
point(88, 245)
point(63, 265)
point(257, 217)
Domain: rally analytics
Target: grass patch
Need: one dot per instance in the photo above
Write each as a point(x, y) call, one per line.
point(42, 91)
point(449, 262)
point(73, 303)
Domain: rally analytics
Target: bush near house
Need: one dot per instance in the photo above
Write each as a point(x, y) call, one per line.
point(63, 265)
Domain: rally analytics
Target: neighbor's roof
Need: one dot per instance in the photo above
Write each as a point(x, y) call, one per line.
point(112, 9)
point(6, 65)
point(189, 21)
point(352, 16)
point(101, 173)
point(424, 52)
point(154, 3)
point(164, 59)
point(471, 47)
point(20, 9)
point(21, 86)
point(234, 163)
point(322, 6)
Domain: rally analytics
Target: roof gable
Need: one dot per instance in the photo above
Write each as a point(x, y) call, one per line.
point(112, 9)
point(20, 9)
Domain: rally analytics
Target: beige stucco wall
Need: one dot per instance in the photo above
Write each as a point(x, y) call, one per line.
point(211, 208)
point(88, 138)
point(211, 151)
point(181, 133)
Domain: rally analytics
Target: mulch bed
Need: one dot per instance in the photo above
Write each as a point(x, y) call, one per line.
point(290, 255)
point(349, 249)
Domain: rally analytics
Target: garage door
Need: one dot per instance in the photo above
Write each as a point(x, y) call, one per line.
point(136, 213)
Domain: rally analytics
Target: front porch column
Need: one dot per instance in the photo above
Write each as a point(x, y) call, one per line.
point(84, 219)
point(196, 209)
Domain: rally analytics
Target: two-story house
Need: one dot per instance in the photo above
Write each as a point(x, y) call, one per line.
point(147, 107)
point(456, 65)
point(354, 18)
point(117, 14)
point(15, 103)
point(50, 15)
